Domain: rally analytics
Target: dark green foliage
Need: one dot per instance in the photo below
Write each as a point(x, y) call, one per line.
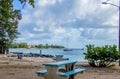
point(31, 2)
point(19, 45)
point(101, 56)
point(8, 24)
point(9, 18)
point(25, 45)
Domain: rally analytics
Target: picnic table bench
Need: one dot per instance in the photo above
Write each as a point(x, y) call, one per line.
point(41, 72)
point(52, 71)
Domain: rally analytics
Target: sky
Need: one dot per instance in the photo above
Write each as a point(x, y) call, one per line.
point(71, 23)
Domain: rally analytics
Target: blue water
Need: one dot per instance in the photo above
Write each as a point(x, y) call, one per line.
point(72, 55)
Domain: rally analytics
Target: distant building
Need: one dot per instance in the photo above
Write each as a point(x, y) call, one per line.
point(31, 46)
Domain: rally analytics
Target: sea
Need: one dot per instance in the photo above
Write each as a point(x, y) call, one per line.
point(75, 54)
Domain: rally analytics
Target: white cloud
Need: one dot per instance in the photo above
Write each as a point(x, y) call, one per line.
point(20, 39)
point(27, 34)
point(85, 7)
point(112, 20)
point(46, 2)
point(81, 21)
point(60, 1)
point(103, 34)
point(40, 29)
point(26, 19)
point(37, 13)
point(59, 30)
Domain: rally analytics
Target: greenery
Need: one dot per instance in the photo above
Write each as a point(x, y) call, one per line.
point(9, 19)
point(25, 45)
point(101, 56)
point(49, 46)
point(19, 45)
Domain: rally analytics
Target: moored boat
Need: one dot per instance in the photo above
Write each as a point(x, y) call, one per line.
point(67, 49)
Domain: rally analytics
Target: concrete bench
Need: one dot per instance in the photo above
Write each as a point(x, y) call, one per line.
point(65, 75)
point(41, 73)
point(61, 69)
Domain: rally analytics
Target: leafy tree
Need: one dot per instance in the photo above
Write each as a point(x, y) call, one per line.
point(9, 18)
point(101, 56)
point(14, 45)
point(23, 45)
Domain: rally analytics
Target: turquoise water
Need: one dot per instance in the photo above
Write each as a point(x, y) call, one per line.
point(72, 55)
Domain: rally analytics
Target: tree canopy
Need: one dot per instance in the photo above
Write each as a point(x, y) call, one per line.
point(9, 19)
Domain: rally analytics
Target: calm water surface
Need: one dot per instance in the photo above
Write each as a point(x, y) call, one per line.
point(72, 55)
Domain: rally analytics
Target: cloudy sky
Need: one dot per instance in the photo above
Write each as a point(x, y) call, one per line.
point(73, 22)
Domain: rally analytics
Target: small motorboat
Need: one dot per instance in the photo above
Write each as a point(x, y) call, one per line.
point(67, 49)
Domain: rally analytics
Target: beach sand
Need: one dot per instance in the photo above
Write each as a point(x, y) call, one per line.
point(13, 68)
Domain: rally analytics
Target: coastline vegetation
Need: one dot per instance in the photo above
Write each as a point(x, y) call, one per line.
point(25, 45)
point(102, 56)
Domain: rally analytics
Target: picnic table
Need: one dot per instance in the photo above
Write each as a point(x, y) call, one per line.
point(60, 58)
point(52, 71)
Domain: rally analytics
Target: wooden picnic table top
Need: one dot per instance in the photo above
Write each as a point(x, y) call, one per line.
point(60, 63)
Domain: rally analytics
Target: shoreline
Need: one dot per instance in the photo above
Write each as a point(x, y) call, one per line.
point(13, 68)
point(78, 54)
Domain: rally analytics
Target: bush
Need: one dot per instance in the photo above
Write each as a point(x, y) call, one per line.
point(101, 56)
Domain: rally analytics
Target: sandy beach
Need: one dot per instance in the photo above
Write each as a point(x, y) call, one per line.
point(13, 68)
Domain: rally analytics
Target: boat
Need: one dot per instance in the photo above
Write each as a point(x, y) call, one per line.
point(67, 49)
point(82, 48)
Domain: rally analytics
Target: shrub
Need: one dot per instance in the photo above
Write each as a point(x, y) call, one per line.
point(101, 56)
